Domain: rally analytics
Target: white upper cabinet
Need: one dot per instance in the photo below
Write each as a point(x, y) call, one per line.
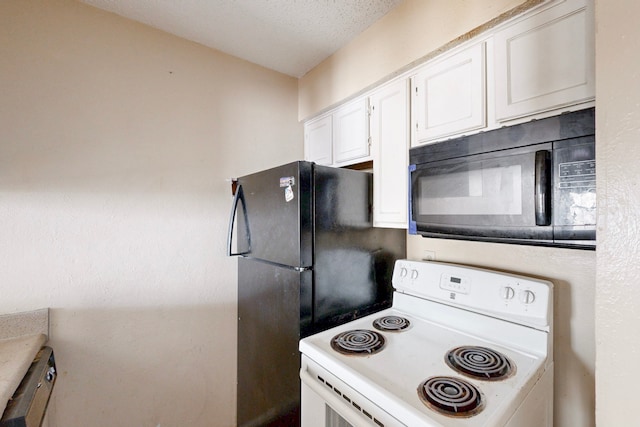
point(341, 137)
point(449, 96)
point(545, 61)
point(351, 131)
point(318, 134)
point(390, 149)
point(534, 65)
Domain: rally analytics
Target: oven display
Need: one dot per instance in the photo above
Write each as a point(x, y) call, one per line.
point(455, 284)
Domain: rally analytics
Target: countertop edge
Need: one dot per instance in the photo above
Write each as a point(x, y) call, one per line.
point(16, 355)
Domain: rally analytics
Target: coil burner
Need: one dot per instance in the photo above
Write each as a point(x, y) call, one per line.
point(480, 362)
point(451, 396)
point(391, 323)
point(358, 342)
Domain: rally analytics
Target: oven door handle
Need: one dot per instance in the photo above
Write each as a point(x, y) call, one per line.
point(336, 403)
point(543, 187)
point(353, 413)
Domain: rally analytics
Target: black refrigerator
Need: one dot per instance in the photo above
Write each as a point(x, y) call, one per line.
point(309, 259)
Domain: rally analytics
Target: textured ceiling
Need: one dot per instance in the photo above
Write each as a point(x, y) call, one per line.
point(289, 36)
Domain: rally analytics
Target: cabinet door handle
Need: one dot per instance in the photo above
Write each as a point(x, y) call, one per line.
point(543, 187)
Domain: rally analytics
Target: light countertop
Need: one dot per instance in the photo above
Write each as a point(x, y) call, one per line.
point(16, 355)
point(21, 337)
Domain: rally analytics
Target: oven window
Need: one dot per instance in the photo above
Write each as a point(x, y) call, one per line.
point(334, 419)
point(472, 190)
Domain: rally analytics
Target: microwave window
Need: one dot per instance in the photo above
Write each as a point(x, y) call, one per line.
point(472, 190)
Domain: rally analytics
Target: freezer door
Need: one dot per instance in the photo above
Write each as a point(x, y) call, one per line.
point(274, 312)
point(278, 224)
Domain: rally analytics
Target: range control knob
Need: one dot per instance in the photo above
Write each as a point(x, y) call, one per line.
point(527, 297)
point(403, 272)
point(507, 293)
point(414, 274)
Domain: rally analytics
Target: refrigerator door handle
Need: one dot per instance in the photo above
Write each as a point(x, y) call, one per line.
point(238, 198)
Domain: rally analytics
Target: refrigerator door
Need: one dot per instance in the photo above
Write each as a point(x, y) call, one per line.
point(278, 224)
point(353, 261)
point(274, 312)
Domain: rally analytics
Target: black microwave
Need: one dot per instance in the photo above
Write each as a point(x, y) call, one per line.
point(532, 183)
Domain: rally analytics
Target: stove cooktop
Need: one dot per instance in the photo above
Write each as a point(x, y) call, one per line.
point(422, 360)
point(391, 377)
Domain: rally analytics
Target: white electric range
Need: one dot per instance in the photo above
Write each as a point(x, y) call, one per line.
point(460, 346)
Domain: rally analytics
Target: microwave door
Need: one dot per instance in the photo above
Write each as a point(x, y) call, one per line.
point(485, 197)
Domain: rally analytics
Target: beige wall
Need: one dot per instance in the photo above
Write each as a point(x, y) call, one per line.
point(115, 142)
point(412, 31)
point(618, 157)
point(408, 33)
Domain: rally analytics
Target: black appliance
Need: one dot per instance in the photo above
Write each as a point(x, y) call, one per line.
point(532, 183)
point(309, 260)
point(29, 403)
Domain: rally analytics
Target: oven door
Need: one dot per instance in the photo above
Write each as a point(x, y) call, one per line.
point(502, 195)
point(328, 402)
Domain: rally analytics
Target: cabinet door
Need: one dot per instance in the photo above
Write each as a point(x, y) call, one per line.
point(390, 146)
point(450, 95)
point(351, 131)
point(545, 61)
point(317, 141)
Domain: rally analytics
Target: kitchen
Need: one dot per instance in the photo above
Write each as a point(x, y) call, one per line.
point(117, 140)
